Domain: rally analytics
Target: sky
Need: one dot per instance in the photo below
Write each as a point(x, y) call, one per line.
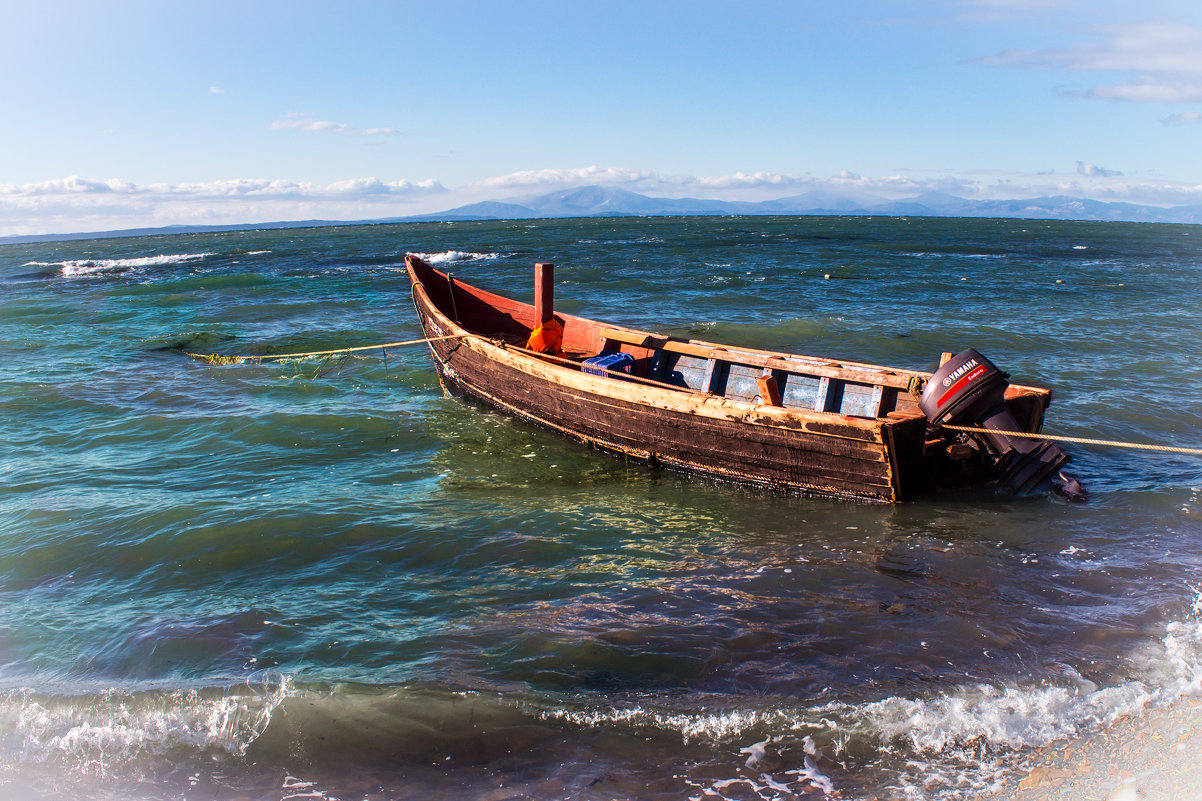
point(139, 114)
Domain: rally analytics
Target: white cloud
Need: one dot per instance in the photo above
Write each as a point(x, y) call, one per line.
point(1146, 91)
point(216, 90)
point(1148, 47)
point(1163, 59)
point(527, 180)
point(1184, 118)
point(1092, 170)
point(754, 180)
point(634, 180)
point(72, 185)
point(80, 204)
point(305, 121)
point(236, 187)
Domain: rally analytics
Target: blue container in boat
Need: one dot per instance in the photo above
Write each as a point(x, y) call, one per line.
point(615, 363)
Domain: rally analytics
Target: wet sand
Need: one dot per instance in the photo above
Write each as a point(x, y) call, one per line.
point(1155, 757)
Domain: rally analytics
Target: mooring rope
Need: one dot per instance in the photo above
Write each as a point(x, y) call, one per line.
point(218, 358)
point(1080, 440)
point(222, 359)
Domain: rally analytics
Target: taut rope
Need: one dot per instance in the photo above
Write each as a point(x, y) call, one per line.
point(1080, 440)
point(221, 359)
point(217, 358)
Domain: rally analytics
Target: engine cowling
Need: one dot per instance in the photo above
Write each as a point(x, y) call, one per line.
point(969, 390)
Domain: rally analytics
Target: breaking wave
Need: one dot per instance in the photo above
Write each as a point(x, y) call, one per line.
point(963, 740)
point(956, 743)
point(455, 257)
point(103, 732)
point(75, 267)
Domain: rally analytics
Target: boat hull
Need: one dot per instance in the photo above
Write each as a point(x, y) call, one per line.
point(832, 454)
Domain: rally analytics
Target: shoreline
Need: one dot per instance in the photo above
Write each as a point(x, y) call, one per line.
point(1154, 757)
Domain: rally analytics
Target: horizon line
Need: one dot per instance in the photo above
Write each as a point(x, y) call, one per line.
point(302, 225)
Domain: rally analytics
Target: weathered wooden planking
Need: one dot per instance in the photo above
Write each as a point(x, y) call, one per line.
point(811, 472)
point(710, 451)
point(719, 444)
point(844, 435)
point(711, 435)
point(847, 371)
point(700, 405)
point(840, 428)
point(484, 311)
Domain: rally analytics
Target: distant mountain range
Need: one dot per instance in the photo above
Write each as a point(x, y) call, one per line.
point(597, 201)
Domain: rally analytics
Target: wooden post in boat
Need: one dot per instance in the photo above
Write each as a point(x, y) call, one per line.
point(451, 292)
point(769, 390)
point(544, 292)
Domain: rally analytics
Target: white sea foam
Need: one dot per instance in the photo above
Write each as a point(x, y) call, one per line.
point(755, 752)
point(103, 732)
point(951, 745)
point(299, 788)
point(692, 726)
point(101, 266)
point(809, 774)
point(923, 254)
point(764, 785)
point(951, 734)
point(455, 256)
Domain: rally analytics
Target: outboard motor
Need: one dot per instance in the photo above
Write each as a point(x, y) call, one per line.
point(969, 390)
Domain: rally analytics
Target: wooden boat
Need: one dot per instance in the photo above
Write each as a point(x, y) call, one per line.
point(799, 423)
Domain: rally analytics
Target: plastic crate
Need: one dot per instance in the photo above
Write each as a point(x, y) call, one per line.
point(609, 363)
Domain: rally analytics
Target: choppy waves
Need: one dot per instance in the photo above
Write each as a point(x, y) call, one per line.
point(456, 257)
point(105, 732)
point(958, 739)
point(966, 739)
point(461, 604)
point(77, 267)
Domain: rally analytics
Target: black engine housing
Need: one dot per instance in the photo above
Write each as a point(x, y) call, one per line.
point(969, 390)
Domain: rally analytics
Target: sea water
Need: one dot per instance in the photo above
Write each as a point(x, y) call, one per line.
point(328, 579)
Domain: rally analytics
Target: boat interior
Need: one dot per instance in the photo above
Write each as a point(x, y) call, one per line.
point(745, 374)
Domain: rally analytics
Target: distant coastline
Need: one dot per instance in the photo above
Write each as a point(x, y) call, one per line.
point(598, 201)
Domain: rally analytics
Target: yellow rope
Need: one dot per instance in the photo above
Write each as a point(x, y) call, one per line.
point(217, 358)
point(1081, 440)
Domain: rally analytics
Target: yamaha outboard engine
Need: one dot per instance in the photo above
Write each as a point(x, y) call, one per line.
point(969, 390)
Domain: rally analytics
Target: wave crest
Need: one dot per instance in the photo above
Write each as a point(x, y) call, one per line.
point(960, 741)
point(455, 256)
point(73, 267)
point(106, 731)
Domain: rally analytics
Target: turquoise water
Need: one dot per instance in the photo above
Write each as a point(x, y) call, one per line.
point(327, 579)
